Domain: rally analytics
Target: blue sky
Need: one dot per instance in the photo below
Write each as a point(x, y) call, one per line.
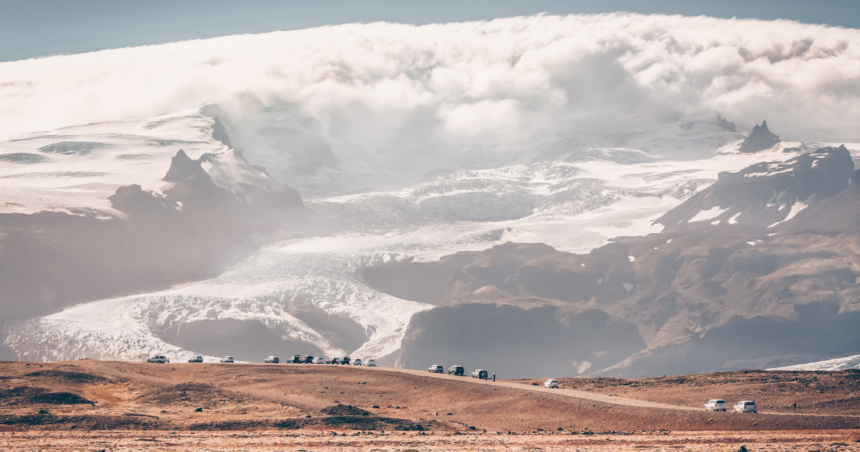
point(35, 28)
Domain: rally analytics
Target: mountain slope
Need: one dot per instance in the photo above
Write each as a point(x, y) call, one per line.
point(718, 296)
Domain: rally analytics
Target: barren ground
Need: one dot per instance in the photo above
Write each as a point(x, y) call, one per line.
point(67, 405)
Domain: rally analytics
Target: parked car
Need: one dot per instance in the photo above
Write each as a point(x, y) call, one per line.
point(307, 359)
point(436, 369)
point(356, 362)
point(370, 362)
point(345, 360)
point(745, 406)
point(196, 359)
point(297, 359)
point(227, 359)
point(160, 359)
point(456, 370)
point(715, 405)
point(319, 360)
point(334, 360)
point(272, 360)
point(480, 374)
point(552, 384)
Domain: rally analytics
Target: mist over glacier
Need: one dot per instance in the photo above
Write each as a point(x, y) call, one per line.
point(500, 82)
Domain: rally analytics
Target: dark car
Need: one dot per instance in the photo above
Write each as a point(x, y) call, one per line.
point(333, 360)
point(345, 360)
point(296, 359)
point(308, 359)
point(456, 370)
point(480, 374)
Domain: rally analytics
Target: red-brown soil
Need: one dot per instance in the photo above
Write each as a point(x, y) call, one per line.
point(336, 440)
point(285, 405)
point(830, 393)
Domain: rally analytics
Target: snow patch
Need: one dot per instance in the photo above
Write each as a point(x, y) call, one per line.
point(711, 213)
point(850, 362)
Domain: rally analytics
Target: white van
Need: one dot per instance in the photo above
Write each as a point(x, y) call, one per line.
point(552, 384)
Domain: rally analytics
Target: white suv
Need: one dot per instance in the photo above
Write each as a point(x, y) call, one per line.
point(551, 384)
point(715, 405)
point(745, 406)
point(370, 362)
point(160, 359)
point(227, 359)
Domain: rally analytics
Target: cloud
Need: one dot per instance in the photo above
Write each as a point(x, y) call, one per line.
point(499, 78)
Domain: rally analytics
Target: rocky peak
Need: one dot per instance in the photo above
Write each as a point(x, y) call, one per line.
point(768, 193)
point(759, 139)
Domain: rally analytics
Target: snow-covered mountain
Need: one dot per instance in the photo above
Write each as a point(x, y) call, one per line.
point(311, 293)
point(261, 194)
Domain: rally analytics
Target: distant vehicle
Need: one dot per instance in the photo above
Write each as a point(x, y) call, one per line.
point(715, 405)
point(745, 406)
point(272, 360)
point(307, 359)
point(319, 360)
point(480, 374)
point(356, 362)
point(227, 359)
point(552, 384)
point(160, 359)
point(345, 360)
point(436, 369)
point(333, 360)
point(370, 362)
point(297, 359)
point(195, 359)
point(456, 370)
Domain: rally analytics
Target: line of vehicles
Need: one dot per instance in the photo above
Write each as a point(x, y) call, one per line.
point(744, 406)
point(295, 359)
point(455, 370)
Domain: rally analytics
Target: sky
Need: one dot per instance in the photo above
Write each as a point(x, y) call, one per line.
point(38, 28)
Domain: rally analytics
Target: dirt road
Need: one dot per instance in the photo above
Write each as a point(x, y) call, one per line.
point(584, 395)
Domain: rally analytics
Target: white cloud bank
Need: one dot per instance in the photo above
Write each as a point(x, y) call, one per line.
point(499, 77)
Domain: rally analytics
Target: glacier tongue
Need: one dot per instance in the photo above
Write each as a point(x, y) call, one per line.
point(575, 202)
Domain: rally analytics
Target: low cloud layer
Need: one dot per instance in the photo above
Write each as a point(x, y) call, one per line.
point(497, 78)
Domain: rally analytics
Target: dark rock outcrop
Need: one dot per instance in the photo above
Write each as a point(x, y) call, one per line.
point(759, 139)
